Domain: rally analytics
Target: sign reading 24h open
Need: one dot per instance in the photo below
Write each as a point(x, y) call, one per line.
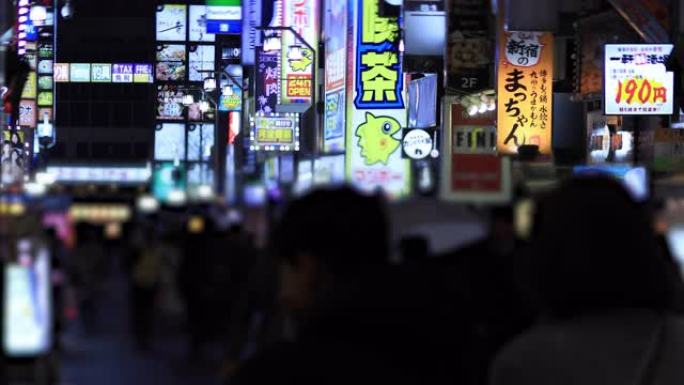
point(525, 91)
point(636, 81)
point(375, 103)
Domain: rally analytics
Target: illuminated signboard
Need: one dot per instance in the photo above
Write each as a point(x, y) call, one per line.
point(101, 73)
point(376, 112)
point(201, 59)
point(335, 25)
point(525, 91)
point(636, 80)
point(297, 60)
point(169, 141)
point(198, 24)
point(171, 60)
point(275, 132)
point(80, 72)
point(30, 88)
point(45, 99)
point(224, 16)
point(171, 23)
point(122, 73)
point(27, 113)
point(90, 174)
point(61, 72)
point(142, 73)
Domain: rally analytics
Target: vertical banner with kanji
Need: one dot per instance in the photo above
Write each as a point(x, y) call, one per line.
point(376, 112)
point(267, 80)
point(525, 91)
point(297, 59)
point(335, 74)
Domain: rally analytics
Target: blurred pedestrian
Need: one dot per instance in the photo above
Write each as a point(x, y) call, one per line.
point(606, 292)
point(145, 277)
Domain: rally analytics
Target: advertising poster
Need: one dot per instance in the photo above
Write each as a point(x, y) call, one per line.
point(101, 73)
point(275, 132)
point(267, 81)
point(297, 60)
point(45, 83)
point(471, 170)
point(200, 141)
point(525, 91)
point(201, 59)
point(169, 141)
point(27, 113)
point(27, 323)
point(61, 74)
point(142, 73)
point(170, 102)
point(45, 99)
point(328, 170)
point(122, 73)
point(80, 72)
point(335, 74)
point(198, 24)
point(636, 80)
point(171, 22)
point(30, 88)
point(375, 106)
point(171, 59)
point(469, 48)
point(45, 67)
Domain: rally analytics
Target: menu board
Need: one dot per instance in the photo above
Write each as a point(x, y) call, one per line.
point(122, 73)
point(101, 73)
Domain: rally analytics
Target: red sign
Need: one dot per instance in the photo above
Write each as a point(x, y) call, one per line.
point(476, 173)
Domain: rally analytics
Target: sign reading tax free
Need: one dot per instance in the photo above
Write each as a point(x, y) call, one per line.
point(636, 80)
point(122, 73)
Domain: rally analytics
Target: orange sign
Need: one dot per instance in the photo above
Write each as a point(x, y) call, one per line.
point(525, 91)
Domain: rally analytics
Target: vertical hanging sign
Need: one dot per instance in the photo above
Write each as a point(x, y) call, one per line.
point(375, 104)
point(297, 60)
point(525, 91)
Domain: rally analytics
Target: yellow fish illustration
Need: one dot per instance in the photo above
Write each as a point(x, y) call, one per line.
point(300, 65)
point(376, 138)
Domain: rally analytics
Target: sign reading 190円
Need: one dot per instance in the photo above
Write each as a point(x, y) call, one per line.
point(636, 79)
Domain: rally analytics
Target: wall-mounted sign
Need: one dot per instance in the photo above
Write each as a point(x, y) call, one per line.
point(275, 132)
point(101, 73)
point(525, 91)
point(79, 72)
point(297, 60)
point(90, 174)
point(27, 113)
point(335, 25)
point(375, 103)
point(224, 16)
point(171, 22)
point(30, 87)
point(142, 73)
point(198, 24)
point(61, 72)
point(418, 143)
point(636, 80)
point(471, 170)
point(251, 18)
point(122, 73)
point(267, 83)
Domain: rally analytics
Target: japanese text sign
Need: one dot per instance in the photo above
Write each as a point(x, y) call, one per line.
point(376, 113)
point(636, 80)
point(275, 132)
point(525, 91)
point(297, 59)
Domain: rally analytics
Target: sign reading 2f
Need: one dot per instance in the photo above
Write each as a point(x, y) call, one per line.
point(379, 80)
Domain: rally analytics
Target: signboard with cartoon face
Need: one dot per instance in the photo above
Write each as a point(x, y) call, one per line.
point(376, 112)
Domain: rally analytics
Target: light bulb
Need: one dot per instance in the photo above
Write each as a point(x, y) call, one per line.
point(472, 110)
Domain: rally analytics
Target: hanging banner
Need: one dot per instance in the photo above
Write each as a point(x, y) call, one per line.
point(335, 74)
point(525, 91)
point(267, 82)
point(636, 80)
point(375, 104)
point(297, 59)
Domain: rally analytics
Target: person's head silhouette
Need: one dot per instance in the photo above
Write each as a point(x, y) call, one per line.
point(593, 250)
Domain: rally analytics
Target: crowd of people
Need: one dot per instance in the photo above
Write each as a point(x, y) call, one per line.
point(592, 296)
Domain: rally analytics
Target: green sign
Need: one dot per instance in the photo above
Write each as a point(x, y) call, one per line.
point(218, 3)
point(101, 73)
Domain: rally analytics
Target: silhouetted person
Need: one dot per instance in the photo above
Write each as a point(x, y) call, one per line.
point(606, 292)
point(355, 320)
point(145, 279)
